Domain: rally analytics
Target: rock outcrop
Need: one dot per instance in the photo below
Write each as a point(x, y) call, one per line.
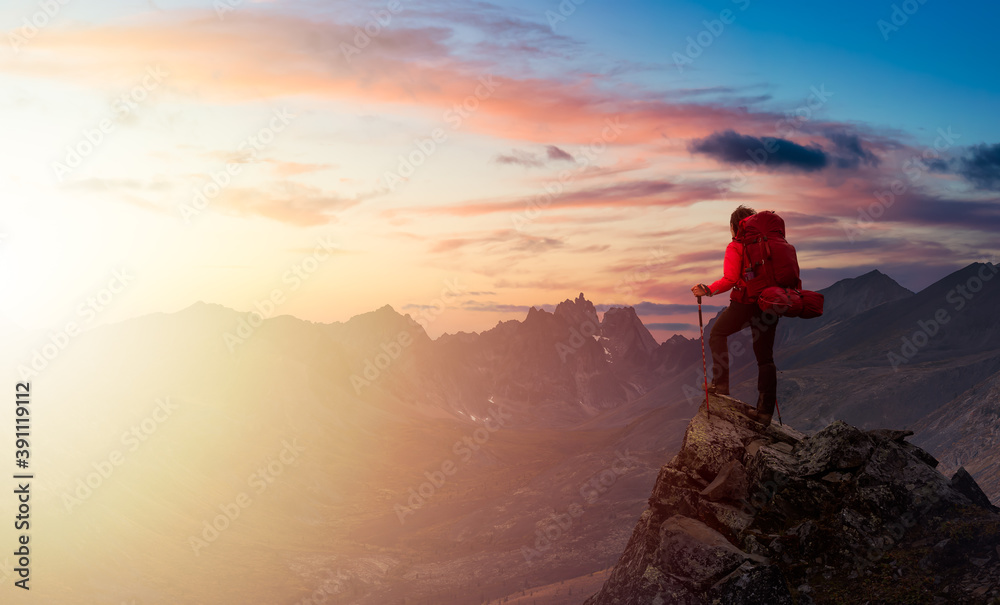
point(748, 516)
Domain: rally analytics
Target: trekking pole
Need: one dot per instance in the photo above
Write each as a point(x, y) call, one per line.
point(779, 411)
point(704, 366)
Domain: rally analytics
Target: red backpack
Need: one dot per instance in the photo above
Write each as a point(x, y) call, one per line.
point(770, 271)
point(768, 258)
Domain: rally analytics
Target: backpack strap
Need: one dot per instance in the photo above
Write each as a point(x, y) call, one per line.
point(741, 280)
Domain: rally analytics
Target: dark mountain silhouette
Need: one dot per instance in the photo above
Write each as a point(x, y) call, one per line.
point(367, 497)
point(592, 407)
point(558, 369)
point(843, 301)
point(971, 323)
point(775, 517)
point(897, 362)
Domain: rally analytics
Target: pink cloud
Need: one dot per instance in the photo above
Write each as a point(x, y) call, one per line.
point(254, 56)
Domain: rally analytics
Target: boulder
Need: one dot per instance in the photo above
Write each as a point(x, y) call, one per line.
point(697, 554)
point(740, 516)
point(838, 447)
point(729, 484)
point(752, 584)
point(963, 482)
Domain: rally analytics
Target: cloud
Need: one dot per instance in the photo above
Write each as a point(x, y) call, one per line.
point(535, 244)
point(852, 151)
point(558, 155)
point(937, 165)
point(129, 191)
point(799, 219)
point(639, 193)
point(505, 29)
point(932, 210)
point(545, 283)
point(731, 147)
point(594, 248)
point(651, 308)
point(254, 56)
point(621, 166)
point(502, 308)
point(521, 158)
point(103, 185)
point(670, 326)
point(506, 244)
point(534, 160)
point(286, 202)
point(981, 166)
point(642, 309)
point(447, 245)
point(287, 169)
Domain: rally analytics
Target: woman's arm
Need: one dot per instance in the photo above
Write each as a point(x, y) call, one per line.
point(731, 266)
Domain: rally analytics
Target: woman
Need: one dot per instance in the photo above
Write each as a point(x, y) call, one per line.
point(734, 318)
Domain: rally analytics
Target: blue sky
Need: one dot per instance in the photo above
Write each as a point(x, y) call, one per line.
point(640, 217)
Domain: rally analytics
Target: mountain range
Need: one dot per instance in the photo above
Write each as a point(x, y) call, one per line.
point(506, 464)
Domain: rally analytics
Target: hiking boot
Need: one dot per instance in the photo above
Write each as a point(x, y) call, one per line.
point(764, 402)
point(757, 416)
point(718, 389)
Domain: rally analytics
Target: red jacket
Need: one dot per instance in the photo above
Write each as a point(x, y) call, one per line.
point(732, 266)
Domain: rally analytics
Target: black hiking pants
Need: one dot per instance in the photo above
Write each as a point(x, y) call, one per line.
point(763, 325)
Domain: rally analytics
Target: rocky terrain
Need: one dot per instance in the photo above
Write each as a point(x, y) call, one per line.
point(881, 355)
point(966, 432)
point(744, 516)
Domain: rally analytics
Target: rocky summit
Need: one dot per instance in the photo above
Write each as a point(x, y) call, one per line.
point(747, 515)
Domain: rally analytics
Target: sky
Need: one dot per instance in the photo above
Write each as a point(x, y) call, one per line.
point(463, 161)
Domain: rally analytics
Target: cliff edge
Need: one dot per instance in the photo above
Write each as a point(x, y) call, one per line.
point(745, 516)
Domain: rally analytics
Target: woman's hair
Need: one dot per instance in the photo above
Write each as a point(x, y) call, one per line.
point(738, 215)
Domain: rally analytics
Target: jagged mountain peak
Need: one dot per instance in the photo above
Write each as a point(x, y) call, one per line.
point(382, 323)
point(535, 314)
point(743, 515)
point(385, 313)
point(578, 312)
point(626, 331)
point(677, 339)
